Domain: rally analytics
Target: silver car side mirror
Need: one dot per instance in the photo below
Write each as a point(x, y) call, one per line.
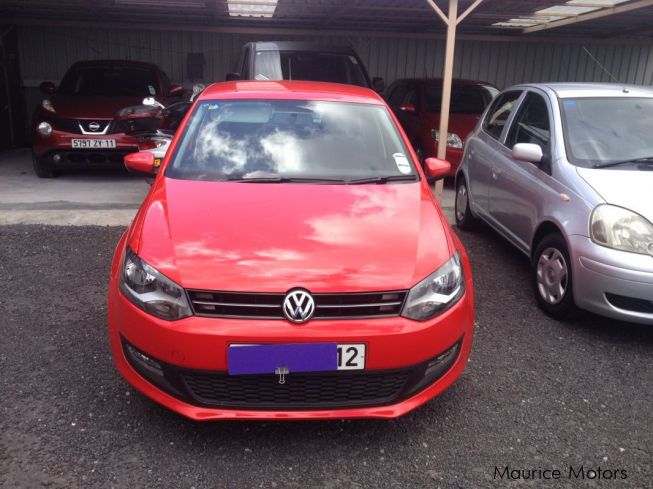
point(529, 152)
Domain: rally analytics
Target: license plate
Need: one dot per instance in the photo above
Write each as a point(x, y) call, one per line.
point(93, 143)
point(297, 357)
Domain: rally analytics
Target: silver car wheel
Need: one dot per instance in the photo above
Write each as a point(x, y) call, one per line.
point(461, 202)
point(552, 274)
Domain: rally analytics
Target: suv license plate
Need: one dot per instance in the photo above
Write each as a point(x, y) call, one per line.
point(93, 143)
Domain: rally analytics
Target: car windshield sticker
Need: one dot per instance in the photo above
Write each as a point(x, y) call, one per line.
point(570, 103)
point(261, 77)
point(213, 106)
point(151, 90)
point(402, 163)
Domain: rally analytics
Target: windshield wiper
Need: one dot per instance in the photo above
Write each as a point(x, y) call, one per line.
point(645, 159)
point(286, 180)
point(382, 180)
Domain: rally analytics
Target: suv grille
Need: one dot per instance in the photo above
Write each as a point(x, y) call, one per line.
point(325, 390)
point(73, 126)
point(269, 306)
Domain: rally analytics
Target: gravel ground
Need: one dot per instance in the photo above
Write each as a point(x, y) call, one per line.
point(537, 393)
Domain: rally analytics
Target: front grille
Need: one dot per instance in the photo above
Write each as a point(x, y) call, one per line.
point(630, 303)
point(327, 389)
point(269, 306)
point(73, 126)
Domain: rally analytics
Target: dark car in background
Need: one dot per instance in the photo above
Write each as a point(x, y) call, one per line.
point(416, 103)
point(74, 126)
point(302, 61)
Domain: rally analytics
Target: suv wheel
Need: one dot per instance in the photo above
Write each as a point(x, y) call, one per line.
point(552, 277)
point(464, 218)
point(43, 169)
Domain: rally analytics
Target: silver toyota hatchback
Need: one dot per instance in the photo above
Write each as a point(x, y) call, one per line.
point(564, 171)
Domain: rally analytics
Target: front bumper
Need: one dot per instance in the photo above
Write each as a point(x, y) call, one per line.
point(57, 149)
point(195, 350)
point(612, 283)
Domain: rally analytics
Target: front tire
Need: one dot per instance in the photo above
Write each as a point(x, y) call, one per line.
point(552, 277)
point(42, 168)
point(464, 218)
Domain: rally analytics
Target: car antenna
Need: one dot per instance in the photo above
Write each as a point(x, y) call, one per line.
point(625, 89)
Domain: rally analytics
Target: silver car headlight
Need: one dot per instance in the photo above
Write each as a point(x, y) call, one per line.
point(621, 229)
point(437, 292)
point(453, 139)
point(150, 290)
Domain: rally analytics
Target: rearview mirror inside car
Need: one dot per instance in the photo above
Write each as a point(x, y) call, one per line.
point(47, 87)
point(141, 163)
point(378, 84)
point(437, 168)
point(529, 152)
point(407, 108)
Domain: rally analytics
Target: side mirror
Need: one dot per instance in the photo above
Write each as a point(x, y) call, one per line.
point(152, 102)
point(232, 77)
point(529, 152)
point(378, 84)
point(437, 168)
point(47, 87)
point(176, 90)
point(141, 163)
point(408, 108)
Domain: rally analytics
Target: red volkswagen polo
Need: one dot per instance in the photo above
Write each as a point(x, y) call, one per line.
point(290, 262)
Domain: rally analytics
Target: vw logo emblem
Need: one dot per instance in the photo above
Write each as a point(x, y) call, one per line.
point(94, 126)
point(298, 306)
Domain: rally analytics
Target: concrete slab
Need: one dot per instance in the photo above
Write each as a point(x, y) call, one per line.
point(83, 197)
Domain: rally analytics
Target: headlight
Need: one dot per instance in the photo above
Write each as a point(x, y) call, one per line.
point(44, 129)
point(453, 139)
point(437, 292)
point(47, 105)
point(621, 229)
point(152, 291)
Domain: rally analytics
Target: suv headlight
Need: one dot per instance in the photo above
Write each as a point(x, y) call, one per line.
point(152, 291)
point(453, 139)
point(621, 229)
point(437, 292)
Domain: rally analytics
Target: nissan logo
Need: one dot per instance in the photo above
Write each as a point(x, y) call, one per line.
point(94, 126)
point(298, 306)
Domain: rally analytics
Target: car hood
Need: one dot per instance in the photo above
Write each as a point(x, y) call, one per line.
point(461, 124)
point(264, 237)
point(89, 107)
point(626, 188)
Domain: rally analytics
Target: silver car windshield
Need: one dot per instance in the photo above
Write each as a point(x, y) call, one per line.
point(290, 139)
point(602, 131)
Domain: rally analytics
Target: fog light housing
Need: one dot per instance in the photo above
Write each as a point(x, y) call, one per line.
point(143, 361)
point(56, 158)
point(436, 367)
point(44, 129)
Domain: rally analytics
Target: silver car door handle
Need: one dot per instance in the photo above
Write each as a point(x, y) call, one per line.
point(495, 173)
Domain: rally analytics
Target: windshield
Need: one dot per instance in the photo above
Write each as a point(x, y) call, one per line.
point(604, 130)
point(309, 66)
point(465, 99)
point(230, 140)
point(109, 80)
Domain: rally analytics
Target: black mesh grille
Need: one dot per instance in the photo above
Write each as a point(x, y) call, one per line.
point(269, 306)
point(300, 390)
point(88, 157)
point(630, 303)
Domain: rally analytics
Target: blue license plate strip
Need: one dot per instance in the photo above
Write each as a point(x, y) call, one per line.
point(296, 357)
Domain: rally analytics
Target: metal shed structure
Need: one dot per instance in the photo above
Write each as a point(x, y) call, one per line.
point(500, 41)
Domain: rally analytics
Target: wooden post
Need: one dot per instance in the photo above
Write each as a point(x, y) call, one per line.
point(447, 78)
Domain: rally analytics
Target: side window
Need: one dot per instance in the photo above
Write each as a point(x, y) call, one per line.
point(397, 95)
point(499, 113)
point(531, 124)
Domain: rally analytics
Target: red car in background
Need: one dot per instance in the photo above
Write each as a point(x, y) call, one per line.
point(290, 262)
point(73, 125)
point(416, 103)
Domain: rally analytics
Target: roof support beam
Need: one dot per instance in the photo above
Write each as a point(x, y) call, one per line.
point(597, 14)
point(451, 20)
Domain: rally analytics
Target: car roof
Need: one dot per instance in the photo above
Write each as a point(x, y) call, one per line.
point(291, 90)
point(438, 81)
point(115, 62)
point(579, 89)
point(301, 46)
